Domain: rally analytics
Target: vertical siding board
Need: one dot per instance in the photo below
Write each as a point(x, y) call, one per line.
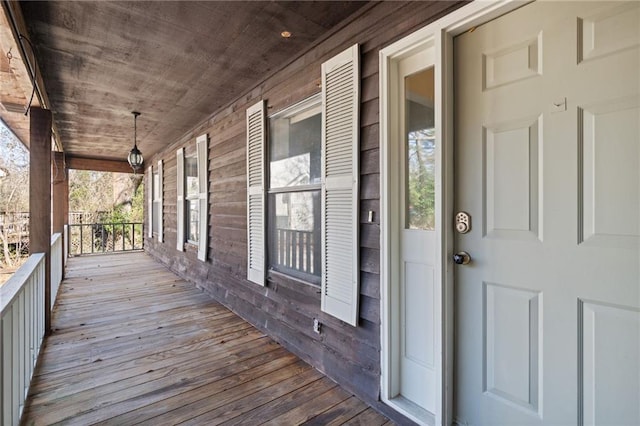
point(283, 307)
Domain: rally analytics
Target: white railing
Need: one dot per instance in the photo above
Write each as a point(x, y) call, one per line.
point(56, 265)
point(66, 244)
point(21, 333)
point(294, 250)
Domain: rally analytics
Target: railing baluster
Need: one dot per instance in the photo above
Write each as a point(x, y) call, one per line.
point(287, 247)
point(317, 267)
point(294, 249)
point(23, 365)
point(8, 392)
point(307, 253)
point(56, 265)
point(280, 246)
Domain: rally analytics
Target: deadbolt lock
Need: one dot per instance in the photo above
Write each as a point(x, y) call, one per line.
point(463, 222)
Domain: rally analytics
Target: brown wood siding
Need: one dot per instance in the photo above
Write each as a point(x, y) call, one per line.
point(285, 308)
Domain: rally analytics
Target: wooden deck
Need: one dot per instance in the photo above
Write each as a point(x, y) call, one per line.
point(156, 350)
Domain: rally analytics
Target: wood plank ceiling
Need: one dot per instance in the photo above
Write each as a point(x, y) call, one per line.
point(15, 85)
point(176, 62)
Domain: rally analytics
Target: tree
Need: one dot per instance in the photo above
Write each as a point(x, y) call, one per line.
point(421, 179)
point(14, 200)
point(105, 197)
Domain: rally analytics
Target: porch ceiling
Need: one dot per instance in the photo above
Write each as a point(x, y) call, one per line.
point(175, 62)
point(15, 85)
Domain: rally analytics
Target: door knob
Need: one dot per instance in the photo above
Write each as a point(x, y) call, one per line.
point(461, 258)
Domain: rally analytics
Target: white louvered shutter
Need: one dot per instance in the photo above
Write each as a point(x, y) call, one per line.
point(160, 202)
point(340, 123)
point(255, 193)
point(150, 200)
point(180, 200)
point(203, 189)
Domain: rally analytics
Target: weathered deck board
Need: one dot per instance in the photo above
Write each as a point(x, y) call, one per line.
point(157, 350)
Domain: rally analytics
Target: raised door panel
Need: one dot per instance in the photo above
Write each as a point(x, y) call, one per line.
point(609, 364)
point(513, 346)
point(609, 135)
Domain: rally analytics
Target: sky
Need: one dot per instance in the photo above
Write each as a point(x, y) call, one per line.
point(13, 153)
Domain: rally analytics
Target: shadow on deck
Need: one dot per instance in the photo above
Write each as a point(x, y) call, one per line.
point(157, 350)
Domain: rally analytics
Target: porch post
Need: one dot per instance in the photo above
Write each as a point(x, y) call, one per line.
point(60, 195)
point(40, 197)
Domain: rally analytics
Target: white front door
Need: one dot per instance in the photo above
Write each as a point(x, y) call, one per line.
point(547, 164)
point(414, 236)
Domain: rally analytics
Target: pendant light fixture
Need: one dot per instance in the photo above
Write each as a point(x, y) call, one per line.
point(135, 156)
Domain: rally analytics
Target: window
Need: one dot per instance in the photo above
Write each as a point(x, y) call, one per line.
point(154, 202)
point(294, 185)
point(192, 199)
point(420, 160)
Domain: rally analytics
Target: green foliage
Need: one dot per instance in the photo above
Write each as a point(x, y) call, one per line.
point(421, 180)
point(127, 211)
point(137, 204)
point(106, 197)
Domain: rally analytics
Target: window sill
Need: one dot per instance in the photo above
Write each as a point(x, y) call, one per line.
point(272, 275)
point(189, 246)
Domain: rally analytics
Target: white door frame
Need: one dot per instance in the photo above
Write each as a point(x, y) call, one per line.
point(439, 34)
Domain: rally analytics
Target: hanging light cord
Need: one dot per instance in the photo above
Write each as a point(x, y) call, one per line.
point(35, 71)
point(135, 130)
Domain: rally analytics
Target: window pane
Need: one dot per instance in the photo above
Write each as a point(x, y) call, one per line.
point(193, 217)
point(420, 160)
point(191, 174)
point(295, 149)
point(156, 186)
point(294, 233)
point(156, 216)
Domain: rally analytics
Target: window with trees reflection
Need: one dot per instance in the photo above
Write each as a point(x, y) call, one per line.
point(293, 213)
point(192, 199)
point(420, 151)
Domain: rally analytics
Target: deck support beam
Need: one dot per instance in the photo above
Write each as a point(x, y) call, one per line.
point(40, 121)
point(97, 165)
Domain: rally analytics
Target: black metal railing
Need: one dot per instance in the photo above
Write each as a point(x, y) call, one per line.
point(91, 238)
